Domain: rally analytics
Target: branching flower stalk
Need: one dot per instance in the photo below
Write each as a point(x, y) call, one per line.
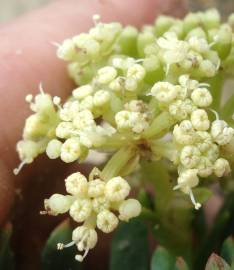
point(151, 94)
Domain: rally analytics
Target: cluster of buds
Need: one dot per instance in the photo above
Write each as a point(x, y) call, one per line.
point(196, 139)
point(93, 203)
point(150, 93)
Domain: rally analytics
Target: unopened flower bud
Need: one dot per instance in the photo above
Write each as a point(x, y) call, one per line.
point(76, 184)
point(221, 167)
point(117, 189)
point(129, 209)
point(53, 149)
point(106, 221)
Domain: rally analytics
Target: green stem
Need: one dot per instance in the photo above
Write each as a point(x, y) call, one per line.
point(117, 162)
point(162, 122)
point(228, 109)
point(164, 149)
point(147, 214)
point(216, 86)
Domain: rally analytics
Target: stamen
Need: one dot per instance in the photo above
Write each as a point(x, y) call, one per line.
point(19, 168)
point(96, 19)
point(204, 85)
point(212, 44)
point(41, 89)
point(61, 246)
point(29, 98)
point(177, 187)
point(56, 44)
point(57, 101)
point(80, 258)
point(139, 60)
point(196, 204)
point(167, 69)
point(215, 113)
point(43, 212)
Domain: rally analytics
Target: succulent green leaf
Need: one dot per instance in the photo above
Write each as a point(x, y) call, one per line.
point(130, 250)
point(216, 263)
point(6, 254)
point(227, 250)
point(164, 260)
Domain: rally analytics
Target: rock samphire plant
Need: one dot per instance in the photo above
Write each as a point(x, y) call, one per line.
point(154, 102)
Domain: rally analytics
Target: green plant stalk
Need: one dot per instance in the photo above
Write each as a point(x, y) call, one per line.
point(228, 110)
point(216, 87)
point(162, 122)
point(117, 162)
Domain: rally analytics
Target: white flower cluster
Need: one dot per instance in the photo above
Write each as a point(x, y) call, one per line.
point(134, 89)
point(95, 203)
point(193, 54)
point(86, 50)
point(39, 128)
point(197, 139)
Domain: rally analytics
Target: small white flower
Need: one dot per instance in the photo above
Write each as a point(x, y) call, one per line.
point(221, 132)
point(76, 184)
point(27, 150)
point(187, 180)
point(67, 50)
point(199, 45)
point(201, 97)
point(117, 84)
point(35, 127)
point(82, 92)
point(190, 156)
point(136, 72)
point(81, 209)
point(164, 92)
point(136, 106)
point(187, 83)
point(87, 47)
point(205, 167)
point(204, 141)
point(53, 149)
point(184, 133)
point(180, 109)
point(212, 152)
point(221, 167)
point(83, 120)
point(70, 150)
point(100, 204)
point(85, 239)
point(117, 189)
point(208, 68)
point(174, 50)
point(87, 103)
point(106, 74)
point(101, 98)
point(107, 221)
point(57, 204)
point(96, 188)
point(130, 84)
point(64, 130)
point(129, 209)
point(199, 119)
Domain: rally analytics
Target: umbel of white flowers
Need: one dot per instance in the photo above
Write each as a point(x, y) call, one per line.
point(93, 203)
point(133, 88)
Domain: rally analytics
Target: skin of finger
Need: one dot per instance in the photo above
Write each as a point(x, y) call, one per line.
point(27, 58)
